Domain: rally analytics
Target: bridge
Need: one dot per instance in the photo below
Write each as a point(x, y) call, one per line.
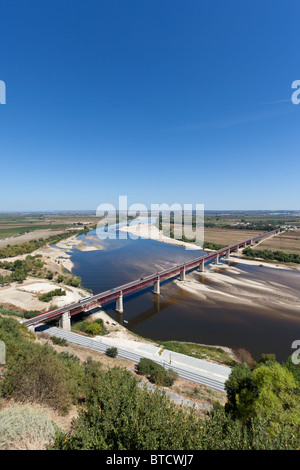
point(117, 293)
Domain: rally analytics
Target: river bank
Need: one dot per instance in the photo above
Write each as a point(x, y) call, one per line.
point(149, 230)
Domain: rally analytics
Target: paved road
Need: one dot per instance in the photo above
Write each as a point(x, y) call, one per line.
point(188, 368)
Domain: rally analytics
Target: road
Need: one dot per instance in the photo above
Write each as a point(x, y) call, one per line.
point(188, 368)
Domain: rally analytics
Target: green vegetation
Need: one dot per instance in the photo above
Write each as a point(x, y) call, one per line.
point(111, 352)
point(212, 246)
point(268, 393)
point(32, 265)
point(116, 413)
point(212, 353)
point(90, 328)
point(28, 247)
point(272, 255)
point(24, 314)
point(156, 373)
point(35, 372)
point(24, 427)
point(48, 296)
point(59, 341)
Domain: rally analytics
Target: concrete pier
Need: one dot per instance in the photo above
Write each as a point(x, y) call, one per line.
point(182, 275)
point(119, 303)
point(216, 261)
point(156, 289)
point(201, 267)
point(228, 254)
point(65, 321)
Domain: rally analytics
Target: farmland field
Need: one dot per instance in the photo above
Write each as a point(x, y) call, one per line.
point(289, 242)
point(31, 226)
point(226, 237)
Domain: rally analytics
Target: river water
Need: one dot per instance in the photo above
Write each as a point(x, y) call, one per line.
point(180, 315)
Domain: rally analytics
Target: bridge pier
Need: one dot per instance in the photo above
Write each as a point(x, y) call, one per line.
point(228, 254)
point(119, 303)
point(201, 267)
point(237, 249)
point(216, 261)
point(65, 321)
point(156, 289)
point(182, 275)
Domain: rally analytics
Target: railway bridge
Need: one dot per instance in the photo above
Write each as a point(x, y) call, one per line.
point(117, 293)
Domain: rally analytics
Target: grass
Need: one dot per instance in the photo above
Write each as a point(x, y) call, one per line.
point(211, 353)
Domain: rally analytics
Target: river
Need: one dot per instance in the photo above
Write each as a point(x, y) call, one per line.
point(181, 315)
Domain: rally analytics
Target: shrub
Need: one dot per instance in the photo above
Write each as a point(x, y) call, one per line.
point(59, 341)
point(36, 374)
point(49, 295)
point(111, 352)
point(156, 373)
point(93, 329)
point(24, 427)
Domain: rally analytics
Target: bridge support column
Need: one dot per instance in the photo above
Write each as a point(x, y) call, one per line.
point(182, 275)
point(237, 249)
point(156, 289)
point(216, 259)
point(201, 267)
point(65, 321)
point(119, 304)
point(228, 254)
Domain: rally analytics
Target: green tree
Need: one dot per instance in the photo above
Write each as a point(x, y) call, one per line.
point(269, 392)
point(93, 329)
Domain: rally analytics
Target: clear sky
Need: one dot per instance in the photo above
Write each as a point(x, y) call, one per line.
point(164, 101)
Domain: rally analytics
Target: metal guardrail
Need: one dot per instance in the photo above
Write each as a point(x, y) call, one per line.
point(96, 345)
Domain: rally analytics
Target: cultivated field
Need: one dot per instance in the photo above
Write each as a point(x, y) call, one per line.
point(34, 226)
point(289, 242)
point(226, 237)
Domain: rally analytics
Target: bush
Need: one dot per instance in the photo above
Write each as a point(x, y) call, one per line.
point(59, 341)
point(49, 295)
point(93, 329)
point(156, 373)
point(111, 352)
point(24, 427)
point(36, 374)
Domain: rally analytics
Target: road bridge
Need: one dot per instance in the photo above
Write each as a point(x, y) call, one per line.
point(117, 293)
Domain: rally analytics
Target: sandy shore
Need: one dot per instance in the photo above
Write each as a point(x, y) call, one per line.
point(269, 264)
point(60, 254)
point(25, 296)
point(228, 285)
point(149, 230)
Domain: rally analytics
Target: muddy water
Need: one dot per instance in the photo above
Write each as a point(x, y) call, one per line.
point(266, 321)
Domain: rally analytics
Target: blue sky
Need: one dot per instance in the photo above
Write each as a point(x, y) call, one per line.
point(161, 100)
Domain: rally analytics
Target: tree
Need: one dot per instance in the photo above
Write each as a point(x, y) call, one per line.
point(93, 329)
point(241, 391)
point(269, 392)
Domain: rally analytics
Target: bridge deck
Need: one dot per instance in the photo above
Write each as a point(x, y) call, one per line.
point(143, 283)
